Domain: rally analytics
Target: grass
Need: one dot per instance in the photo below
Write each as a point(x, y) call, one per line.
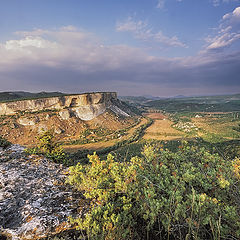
point(162, 130)
point(211, 127)
point(220, 127)
point(93, 146)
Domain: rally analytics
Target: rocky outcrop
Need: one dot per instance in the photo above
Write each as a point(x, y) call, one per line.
point(68, 116)
point(35, 202)
point(86, 106)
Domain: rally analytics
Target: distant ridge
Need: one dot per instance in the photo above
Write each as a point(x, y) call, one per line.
point(179, 96)
point(20, 95)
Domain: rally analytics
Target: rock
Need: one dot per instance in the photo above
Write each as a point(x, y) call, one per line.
point(64, 114)
point(58, 130)
point(35, 202)
point(89, 112)
point(118, 111)
point(57, 103)
point(41, 128)
point(27, 121)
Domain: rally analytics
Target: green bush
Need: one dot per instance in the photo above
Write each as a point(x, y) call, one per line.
point(188, 194)
point(48, 147)
point(237, 128)
point(4, 143)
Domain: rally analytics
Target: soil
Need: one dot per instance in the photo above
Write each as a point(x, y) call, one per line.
point(64, 130)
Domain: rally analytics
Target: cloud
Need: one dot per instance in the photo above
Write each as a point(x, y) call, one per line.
point(75, 49)
point(233, 16)
point(216, 3)
point(73, 60)
point(141, 30)
point(228, 32)
point(161, 4)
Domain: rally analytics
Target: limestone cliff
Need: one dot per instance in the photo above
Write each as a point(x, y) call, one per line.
point(86, 106)
point(68, 116)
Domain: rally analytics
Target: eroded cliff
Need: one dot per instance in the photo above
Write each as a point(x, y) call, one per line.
point(86, 106)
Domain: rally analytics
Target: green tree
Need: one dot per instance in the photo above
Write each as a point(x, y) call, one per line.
point(48, 147)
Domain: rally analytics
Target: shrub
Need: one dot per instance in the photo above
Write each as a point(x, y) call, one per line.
point(48, 147)
point(188, 194)
point(4, 143)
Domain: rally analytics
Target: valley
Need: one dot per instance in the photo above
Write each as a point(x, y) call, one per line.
point(113, 141)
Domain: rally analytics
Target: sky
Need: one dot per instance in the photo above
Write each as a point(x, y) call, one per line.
point(134, 47)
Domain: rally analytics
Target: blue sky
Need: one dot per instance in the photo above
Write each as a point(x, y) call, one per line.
point(134, 47)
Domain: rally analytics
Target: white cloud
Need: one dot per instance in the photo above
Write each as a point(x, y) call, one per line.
point(228, 32)
point(141, 30)
point(65, 47)
point(223, 40)
point(27, 42)
point(233, 16)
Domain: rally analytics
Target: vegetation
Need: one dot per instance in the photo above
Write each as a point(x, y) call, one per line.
point(4, 143)
point(81, 156)
point(228, 103)
point(138, 189)
point(187, 194)
point(16, 96)
point(100, 134)
point(237, 128)
point(48, 147)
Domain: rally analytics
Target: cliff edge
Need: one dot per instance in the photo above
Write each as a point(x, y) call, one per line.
point(86, 106)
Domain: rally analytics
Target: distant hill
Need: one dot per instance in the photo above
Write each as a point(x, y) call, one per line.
point(226, 103)
point(179, 96)
point(221, 103)
point(134, 99)
point(19, 95)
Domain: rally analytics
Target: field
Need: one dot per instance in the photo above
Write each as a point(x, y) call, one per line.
point(161, 129)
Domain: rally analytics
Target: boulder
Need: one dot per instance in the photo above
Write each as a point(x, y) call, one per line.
point(64, 114)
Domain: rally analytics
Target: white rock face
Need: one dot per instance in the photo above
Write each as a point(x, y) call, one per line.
point(89, 112)
point(84, 106)
point(57, 103)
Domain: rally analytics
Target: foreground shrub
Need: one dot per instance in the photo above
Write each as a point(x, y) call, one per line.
point(188, 194)
point(48, 147)
point(4, 143)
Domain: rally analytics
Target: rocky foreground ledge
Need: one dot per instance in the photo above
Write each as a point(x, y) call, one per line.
point(35, 202)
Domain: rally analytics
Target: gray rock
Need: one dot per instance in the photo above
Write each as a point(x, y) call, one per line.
point(35, 202)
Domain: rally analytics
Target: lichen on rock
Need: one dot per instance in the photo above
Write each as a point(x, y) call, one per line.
point(35, 202)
